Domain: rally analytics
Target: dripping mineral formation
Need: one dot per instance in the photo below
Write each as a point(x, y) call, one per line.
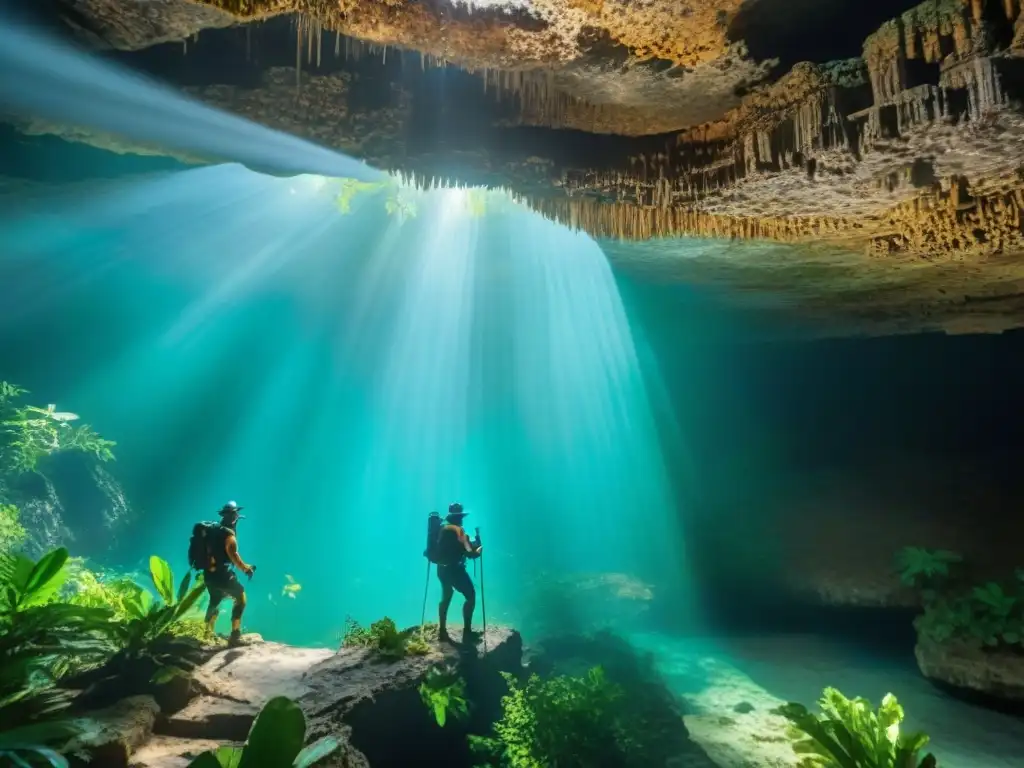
point(882, 156)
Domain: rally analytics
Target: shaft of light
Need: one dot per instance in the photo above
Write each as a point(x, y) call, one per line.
point(44, 78)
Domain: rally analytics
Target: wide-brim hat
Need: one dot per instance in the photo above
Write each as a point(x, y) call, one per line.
point(231, 509)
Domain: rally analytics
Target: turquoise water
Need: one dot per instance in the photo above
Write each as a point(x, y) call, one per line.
point(341, 374)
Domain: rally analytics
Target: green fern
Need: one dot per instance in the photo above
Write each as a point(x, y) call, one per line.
point(920, 567)
point(571, 722)
point(384, 638)
point(12, 532)
point(28, 433)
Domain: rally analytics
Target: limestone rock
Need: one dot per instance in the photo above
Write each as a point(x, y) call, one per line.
point(991, 674)
point(236, 683)
point(351, 694)
point(112, 735)
point(170, 752)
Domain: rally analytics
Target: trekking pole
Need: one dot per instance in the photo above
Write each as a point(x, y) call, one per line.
point(426, 589)
point(483, 595)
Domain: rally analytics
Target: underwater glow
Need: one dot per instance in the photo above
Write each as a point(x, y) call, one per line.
point(342, 358)
point(43, 79)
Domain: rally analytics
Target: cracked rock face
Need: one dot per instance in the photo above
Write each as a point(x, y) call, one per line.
point(880, 143)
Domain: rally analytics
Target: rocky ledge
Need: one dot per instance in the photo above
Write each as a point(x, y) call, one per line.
point(351, 694)
point(988, 676)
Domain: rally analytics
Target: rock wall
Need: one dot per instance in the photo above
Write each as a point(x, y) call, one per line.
point(73, 501)
point(830, 537)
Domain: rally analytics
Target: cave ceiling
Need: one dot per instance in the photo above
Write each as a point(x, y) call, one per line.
point(861, 160)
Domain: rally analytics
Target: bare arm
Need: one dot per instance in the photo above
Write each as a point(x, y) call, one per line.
point(231, 545)
point(471, 551)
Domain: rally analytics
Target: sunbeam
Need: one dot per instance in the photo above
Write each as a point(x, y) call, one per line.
point(363, 363)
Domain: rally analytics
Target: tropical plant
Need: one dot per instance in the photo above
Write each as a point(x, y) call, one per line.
point(40, 641)
point(29, 433)
point(275, 741)
point(571, 722)
point(648, 709)
point(12, 532)
point(148, 636)
point(443, 691)
point(919, 567)
point(149, 652)
point(384, 638)
point(989, 614)
point(849, 733)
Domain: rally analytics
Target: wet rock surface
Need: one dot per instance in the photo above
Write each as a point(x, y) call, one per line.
point(110, 736)
point(351, 694)
point(991, 676)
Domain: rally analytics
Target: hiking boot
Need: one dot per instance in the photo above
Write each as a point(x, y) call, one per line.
point(235, 639)
point(444, 637)
point(469, 637)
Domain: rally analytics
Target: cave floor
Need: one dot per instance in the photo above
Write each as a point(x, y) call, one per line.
point(714, 675)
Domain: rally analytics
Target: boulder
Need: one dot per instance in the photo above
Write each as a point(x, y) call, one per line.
point(236, 683)
point(110, 736)
point(352, 695)
point(372, 700)
point(993, 676)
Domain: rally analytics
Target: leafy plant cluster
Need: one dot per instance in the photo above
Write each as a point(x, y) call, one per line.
point(29, 433)
point(850, 733)
point(648, 709)
point(275, 741)
point(385, 639)
point(443, 693)
point(571, 722)
point(113, 639)
point(955, 610)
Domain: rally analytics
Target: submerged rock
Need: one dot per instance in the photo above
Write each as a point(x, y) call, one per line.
point(996, 675)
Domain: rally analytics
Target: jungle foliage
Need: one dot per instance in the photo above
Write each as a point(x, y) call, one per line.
point(28, 433)
point(443, 693)
point(384, 639)
point(990, 614)
point(850, 733)
point(275, 740)
point(567, 721)
point(61, 625)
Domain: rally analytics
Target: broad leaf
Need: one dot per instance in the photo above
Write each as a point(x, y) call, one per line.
point(184, 585)
point(316, 752)
point(163, 581)
point(229, 757)
point(440, 713)
point(191, 599)
point(46, 577)
point(277, 735)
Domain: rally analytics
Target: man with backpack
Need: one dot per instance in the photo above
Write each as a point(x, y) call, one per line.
point(448, 548)
point(214, 550)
